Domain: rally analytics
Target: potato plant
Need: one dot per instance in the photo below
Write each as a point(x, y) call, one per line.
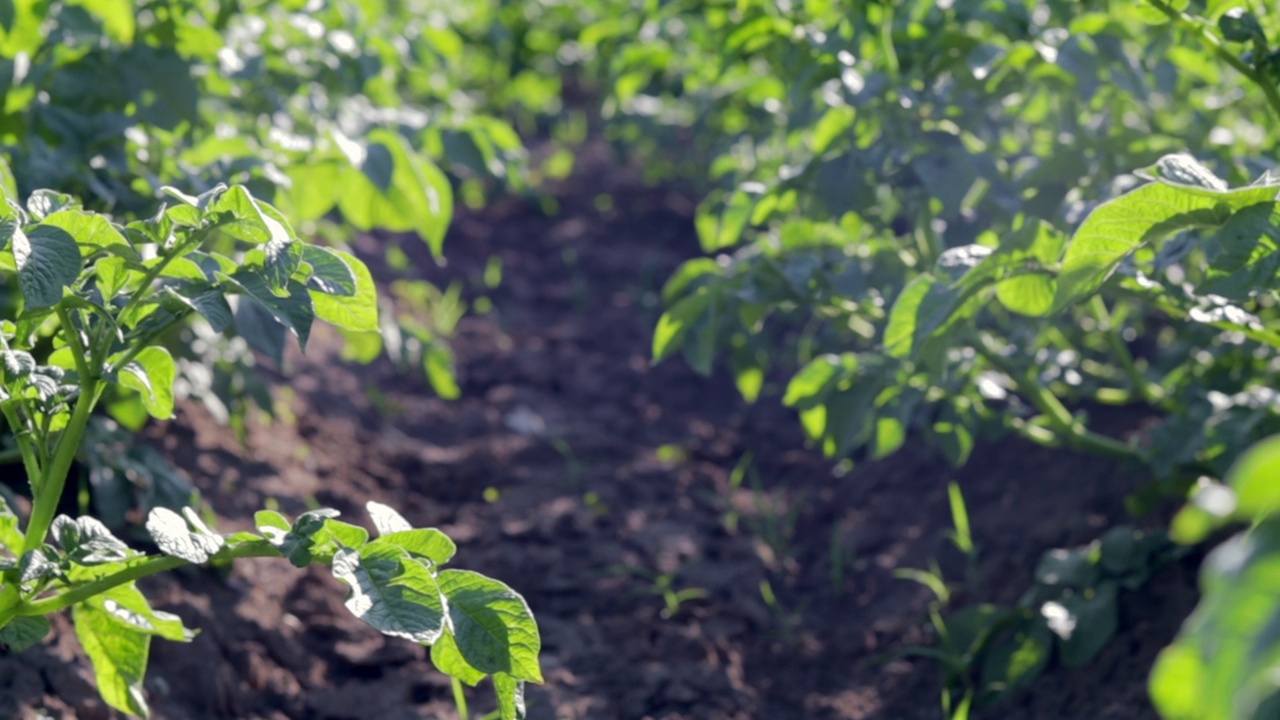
point(903, 228)
point(93, 299)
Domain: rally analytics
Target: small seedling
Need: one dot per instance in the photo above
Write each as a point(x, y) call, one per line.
point(662, 584)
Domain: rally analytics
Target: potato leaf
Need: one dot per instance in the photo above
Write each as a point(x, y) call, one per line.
point(492, 625)
point(391, 592)
point(1184, 195)
point(184, 536)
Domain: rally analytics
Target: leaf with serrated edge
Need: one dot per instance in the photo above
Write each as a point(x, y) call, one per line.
point(492, 624)
point(390, 592)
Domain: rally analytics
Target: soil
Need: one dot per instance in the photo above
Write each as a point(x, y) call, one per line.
point(585, 478)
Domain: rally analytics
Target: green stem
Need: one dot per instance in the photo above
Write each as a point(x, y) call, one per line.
point(1137, 380)
point(30, 453)
point(133, 573)
point(886, 40)
point(49, 489)
point(1215, 44)
point(137, 345)
point(1062, 422)
point(460, 698)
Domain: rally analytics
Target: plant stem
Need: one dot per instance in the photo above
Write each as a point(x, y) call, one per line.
point(30, 453)
point(460, 698)
point(1060, 418)
point(1141, 387)
point(133, 573)
point(48, 491)
point(1215, 44)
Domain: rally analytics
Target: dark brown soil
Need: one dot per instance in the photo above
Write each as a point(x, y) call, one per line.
point(623, 479)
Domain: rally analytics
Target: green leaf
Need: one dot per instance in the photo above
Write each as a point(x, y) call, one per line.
point(330, 273)
point(86, 541)
point(492, 624)
point(208, 301)
point(1067, 567)
point(1017, 658)
point(717, 233)
point(417, 196)
point(44, 203)
point(8, 187)
point(10, 535)
point(48, 260)
point(391, 592)
point(675, 323)
point(1177, 684)
point(1240, 25)
point(127, 605)
point(265, 520)
point(358, 312)
point(687, 275)
point(1224, 660)
point(1084, 622)
point(1185, 195)
point(1030, 295)
point(810, 385)
point(23, 632)
point(151, 373)
point(91, 231)
point(448, 659)
point(283, 255)
point(1253, 477)
point(315, 189)
point(437, 363)
point(183, 537)
point(336, 535)
point(926, 308)
point(295, 542)
point(428, 543)
point(315, 537)
point(37, 564)
point(244, 217)
point(117, 17)
point(1155, 16)
point(294, 310)
point(119, 655)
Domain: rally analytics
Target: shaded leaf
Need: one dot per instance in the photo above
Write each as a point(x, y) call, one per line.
point(390, 592)
point(48, 260)
point(492, 624)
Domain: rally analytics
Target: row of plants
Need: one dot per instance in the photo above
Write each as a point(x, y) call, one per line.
point(970, 219)
point(124, 295)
